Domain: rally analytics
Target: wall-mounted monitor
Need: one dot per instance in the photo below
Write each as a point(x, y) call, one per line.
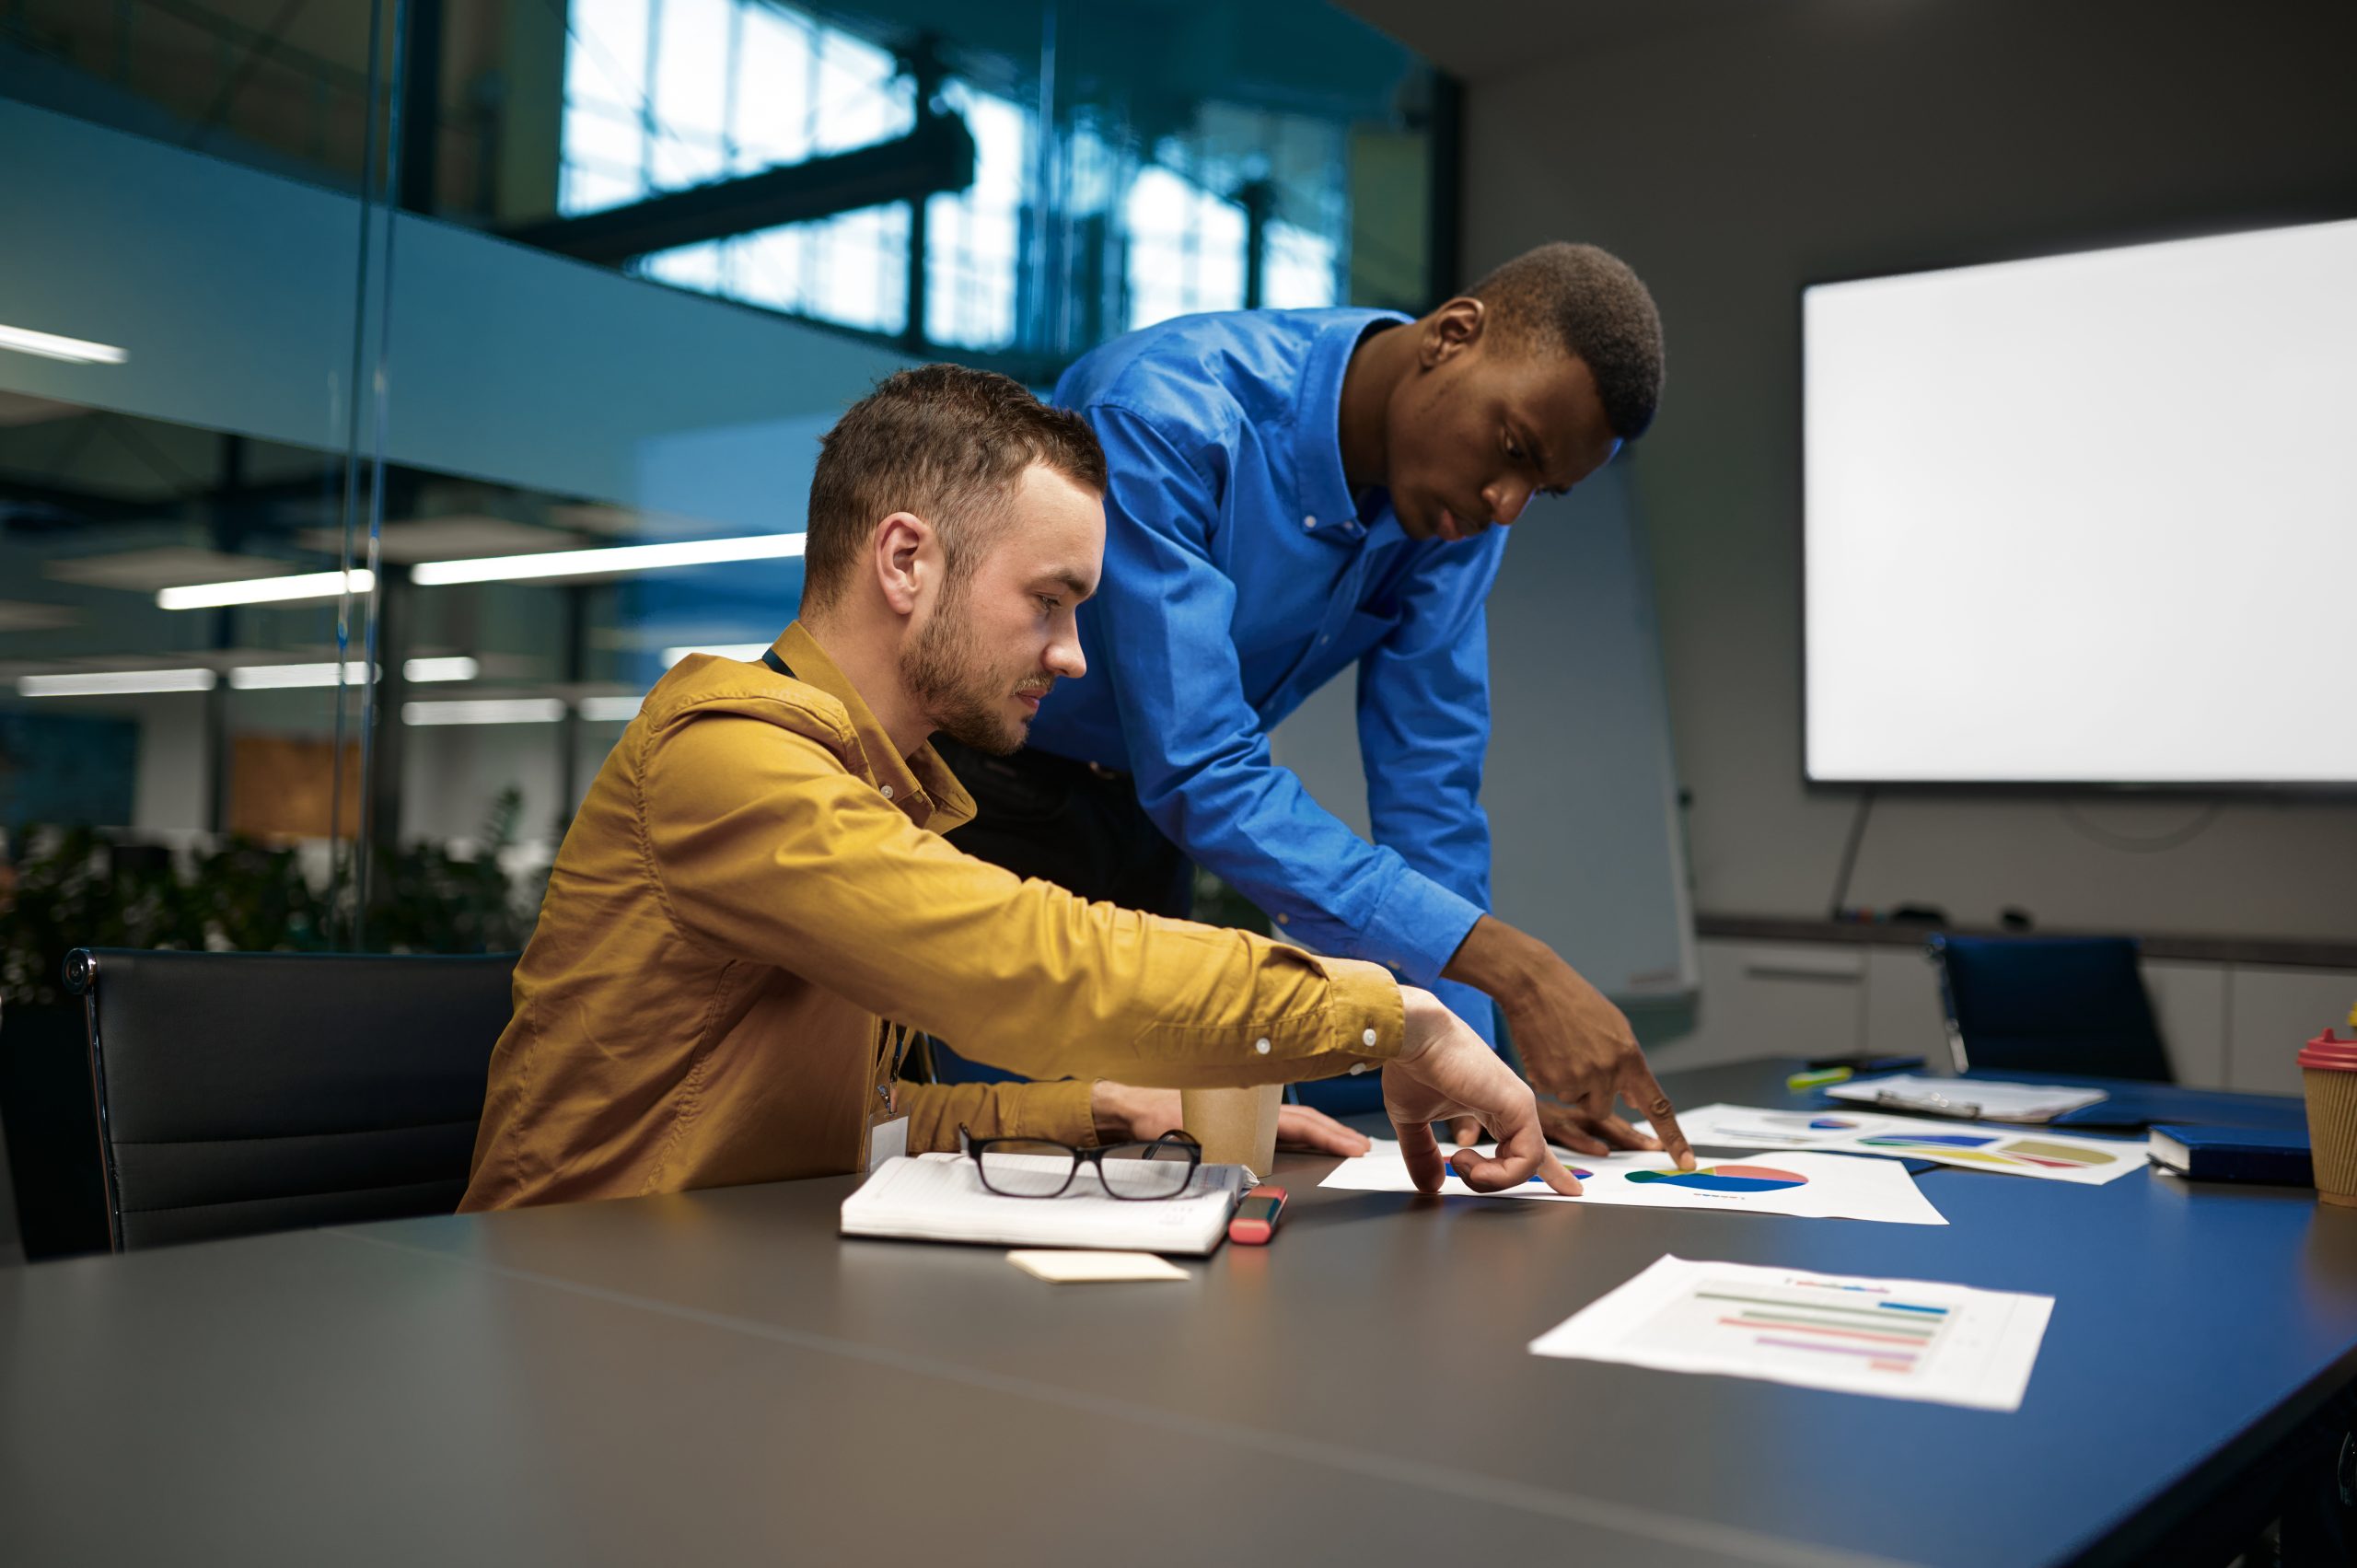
point(2089, 518)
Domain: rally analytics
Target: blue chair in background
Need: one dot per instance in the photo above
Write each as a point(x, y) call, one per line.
point(2048, 1005)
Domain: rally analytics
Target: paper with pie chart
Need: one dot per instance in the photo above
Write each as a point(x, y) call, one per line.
point(2047, 1157)
point(1899, 1339)
point(1824, 1187)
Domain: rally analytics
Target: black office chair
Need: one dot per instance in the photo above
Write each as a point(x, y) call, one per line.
point(2048, 1004)
point(239, 1093)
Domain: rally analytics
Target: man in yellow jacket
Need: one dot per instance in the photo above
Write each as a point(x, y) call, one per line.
point(754, 908)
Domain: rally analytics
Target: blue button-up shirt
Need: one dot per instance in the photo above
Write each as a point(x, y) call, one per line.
point(1241, 574)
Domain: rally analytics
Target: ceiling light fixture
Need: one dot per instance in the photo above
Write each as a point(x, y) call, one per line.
point(279, 677)
point(115, 682)
point(485, 710)
point(267, 590)
point(603, 561)
point(49, 345)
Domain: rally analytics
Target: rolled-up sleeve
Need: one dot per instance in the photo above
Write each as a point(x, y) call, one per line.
point(764, 847)
point(1198, 752)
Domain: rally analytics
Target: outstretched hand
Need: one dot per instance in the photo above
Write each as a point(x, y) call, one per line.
point(1576, 1045)
point(1447, 1071)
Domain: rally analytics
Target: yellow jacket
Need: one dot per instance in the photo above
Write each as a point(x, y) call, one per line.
point(756, 881)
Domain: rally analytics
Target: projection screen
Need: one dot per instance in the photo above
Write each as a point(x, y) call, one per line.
point(2090, 518)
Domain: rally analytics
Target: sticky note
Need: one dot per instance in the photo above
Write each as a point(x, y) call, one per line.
point(1072, 1268)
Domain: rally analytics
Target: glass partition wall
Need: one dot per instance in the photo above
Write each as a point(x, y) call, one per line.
point(375, 290)
point(391, 390)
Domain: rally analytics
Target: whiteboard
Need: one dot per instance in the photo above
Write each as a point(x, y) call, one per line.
point(2086, 518)
point(1581, 786)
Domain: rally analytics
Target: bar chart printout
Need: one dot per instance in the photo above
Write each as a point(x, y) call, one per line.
point(1899, 1339)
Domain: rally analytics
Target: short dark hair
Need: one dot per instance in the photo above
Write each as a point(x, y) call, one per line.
point(945, 442)
point(1588, 303)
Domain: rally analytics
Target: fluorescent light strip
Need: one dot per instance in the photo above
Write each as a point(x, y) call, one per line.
point(615, 558)
point(746, 652)
point(49, 345)
point(277, 677)
point(485, 710)
point(608, 710)
point(267, 590)
point(115, 682)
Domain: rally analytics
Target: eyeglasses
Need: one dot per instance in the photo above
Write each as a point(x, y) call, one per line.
point(1041, 1167)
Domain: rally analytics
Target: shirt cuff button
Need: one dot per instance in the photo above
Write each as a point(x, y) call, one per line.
point(1357, 1067)
point(1261, 1045)
point(1368, 1038)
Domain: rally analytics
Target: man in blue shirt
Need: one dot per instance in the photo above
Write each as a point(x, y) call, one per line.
point(1293, 493)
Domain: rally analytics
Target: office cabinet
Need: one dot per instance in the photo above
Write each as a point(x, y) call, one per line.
point(1903, 1013)
point(2189, 1003)
point(1772, 999)
point(2233, 1025)
point(2272, 1012)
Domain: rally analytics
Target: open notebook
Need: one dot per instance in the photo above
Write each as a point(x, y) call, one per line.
point(940, 1198)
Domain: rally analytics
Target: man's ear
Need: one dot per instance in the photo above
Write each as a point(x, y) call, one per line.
point(1450, 330)
point(907, 558)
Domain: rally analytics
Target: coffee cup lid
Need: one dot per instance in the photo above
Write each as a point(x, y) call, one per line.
point(2328, 1052)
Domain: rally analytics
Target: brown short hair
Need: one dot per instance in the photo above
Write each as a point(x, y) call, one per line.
point(945, 441)
point(1587, 303)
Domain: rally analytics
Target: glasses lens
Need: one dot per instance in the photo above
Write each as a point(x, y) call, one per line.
point(1147, 1171)
point(1026, 1169)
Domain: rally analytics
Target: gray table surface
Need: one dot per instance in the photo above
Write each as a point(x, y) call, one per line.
point(717, 1376)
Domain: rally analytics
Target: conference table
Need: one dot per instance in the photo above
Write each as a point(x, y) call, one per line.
point(719, 1378)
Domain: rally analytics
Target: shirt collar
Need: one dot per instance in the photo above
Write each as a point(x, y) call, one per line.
point(921, 786)
point(1323, 488)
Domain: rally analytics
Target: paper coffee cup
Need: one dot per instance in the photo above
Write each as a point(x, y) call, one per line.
point(2328, 1078)
point(1235, 1126)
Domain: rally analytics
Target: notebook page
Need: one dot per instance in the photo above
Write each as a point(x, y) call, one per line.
point(941, 1198)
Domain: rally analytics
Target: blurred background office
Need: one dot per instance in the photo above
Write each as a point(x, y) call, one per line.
point(383, 309)
point(390, 390)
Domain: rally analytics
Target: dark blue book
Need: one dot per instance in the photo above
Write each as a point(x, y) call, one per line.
point(2235, 1154)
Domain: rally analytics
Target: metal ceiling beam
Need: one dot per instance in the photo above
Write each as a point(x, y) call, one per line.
point(937, 156)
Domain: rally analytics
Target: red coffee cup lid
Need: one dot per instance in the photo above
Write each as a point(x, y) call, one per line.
point(2329, 1052)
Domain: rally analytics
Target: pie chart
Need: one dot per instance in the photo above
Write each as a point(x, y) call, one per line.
point(1726, 1178)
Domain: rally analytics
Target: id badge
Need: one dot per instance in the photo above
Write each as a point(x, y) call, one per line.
point(886, 1139)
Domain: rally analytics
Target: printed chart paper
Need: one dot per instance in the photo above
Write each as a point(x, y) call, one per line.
point(1809, 1186)
point(1899, 1339)
point(2048, 1156)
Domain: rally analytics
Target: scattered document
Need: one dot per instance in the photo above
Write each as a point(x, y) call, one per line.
point(2048, 1156)
point(941, 1198)
point(1074, 1268)
point(1899, 1339)
point(1811, 1187)
point(1970, 1098)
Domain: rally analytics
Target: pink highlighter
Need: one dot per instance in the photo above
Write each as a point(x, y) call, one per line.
point(1256, 1216)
